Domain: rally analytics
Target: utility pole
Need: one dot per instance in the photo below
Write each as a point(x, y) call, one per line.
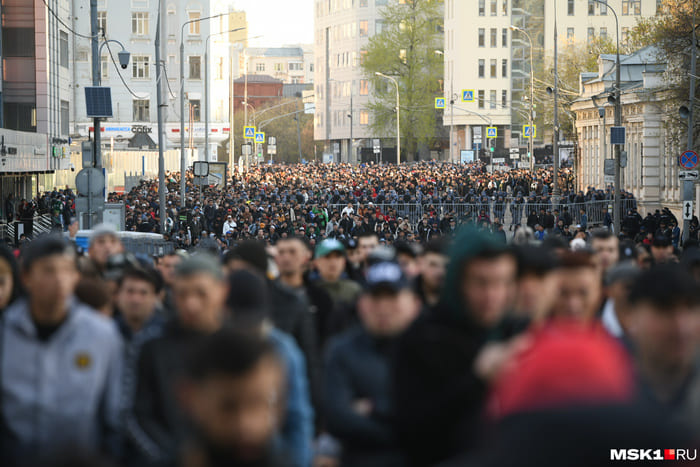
point(297, 117)
point(94, 42)
point(688, 185)
point(351, 159)
point(161, 141)
point(555, 143)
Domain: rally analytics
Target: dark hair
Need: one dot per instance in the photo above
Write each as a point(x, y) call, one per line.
point(44, 246)
point(248, 298)
point(601, 234)
point(665, 286)
point(576, 259)
point(535, 260)
point(366, 235)
point(251, 252)
point(149, 275)
point(227, 352)
point(93, 292)
point(436, 245)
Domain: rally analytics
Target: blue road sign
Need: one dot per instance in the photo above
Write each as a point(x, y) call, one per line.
point(688, 160)
point(249, 132)
point(492, 132)
point(439, 102)
point(260, 137)
point(529, 131)
point(467, 95)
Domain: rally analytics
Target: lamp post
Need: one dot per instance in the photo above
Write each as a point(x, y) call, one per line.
point(398, 116)
point(687, 112)
point(616, 98)
point(206, 89)
point(532, 99)
point(183, 159)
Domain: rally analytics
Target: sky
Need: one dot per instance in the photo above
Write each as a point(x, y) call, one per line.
point(280, 22)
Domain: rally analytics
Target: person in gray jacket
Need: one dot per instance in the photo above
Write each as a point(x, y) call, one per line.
point(60, 363)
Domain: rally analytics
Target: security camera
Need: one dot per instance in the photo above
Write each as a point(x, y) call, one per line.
point(124, 59)
point(72, 168)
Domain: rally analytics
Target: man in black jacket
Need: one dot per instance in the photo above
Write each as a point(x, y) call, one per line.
point(446, 358)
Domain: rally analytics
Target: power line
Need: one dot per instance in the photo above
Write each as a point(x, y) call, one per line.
point(119, 72)
point(165, 72)
point(66, 26)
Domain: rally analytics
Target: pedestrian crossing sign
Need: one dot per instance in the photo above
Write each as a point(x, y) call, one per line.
point(530, 131)
point(491, 132)
point(467, 95)
point(249, 132)
point(439, 102)
point(260, 137)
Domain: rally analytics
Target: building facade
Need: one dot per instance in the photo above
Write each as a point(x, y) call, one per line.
point(493, 60)
point(35, 94)
point(340, 87)
point(292, 65)
point(134, 88)
point(653, 142)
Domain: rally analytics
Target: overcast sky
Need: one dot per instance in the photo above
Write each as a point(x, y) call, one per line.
point(280, 22)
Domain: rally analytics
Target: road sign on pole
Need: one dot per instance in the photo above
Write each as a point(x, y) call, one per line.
point(467, 95)
point(688, 160)
point(529, 131)
point(439, 102)
point(260, 137)
point(249, 132)
point(691, 175)
point(491, 132)
point(688, 210)
point(272, 140)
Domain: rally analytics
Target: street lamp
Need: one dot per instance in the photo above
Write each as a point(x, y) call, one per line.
point(453, 97)
point(206, 89)
point(183, 159)
point(532, 100)
point(615, 99)
point(398, 116)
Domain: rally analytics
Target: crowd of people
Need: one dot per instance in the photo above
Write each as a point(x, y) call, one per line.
point(465, 347)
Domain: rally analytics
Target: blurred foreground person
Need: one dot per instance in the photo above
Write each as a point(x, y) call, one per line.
point(60, 362)
point(580, 287)
point(445, 358)
point(537, 282)
point(664, 325)
point(233, 395)
point(358, 400)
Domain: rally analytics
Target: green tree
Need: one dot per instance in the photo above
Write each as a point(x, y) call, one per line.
point(405, 50)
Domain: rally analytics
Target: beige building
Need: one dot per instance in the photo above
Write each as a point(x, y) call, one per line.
point(483, 54)
point(292, 65)
point(652, 145)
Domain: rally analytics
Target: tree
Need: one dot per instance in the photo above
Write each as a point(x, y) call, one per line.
point(405, 50)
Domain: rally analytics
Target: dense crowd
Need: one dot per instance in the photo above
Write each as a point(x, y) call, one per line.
point(557, 345)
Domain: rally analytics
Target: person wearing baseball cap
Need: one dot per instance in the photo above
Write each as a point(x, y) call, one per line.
point(358, 367)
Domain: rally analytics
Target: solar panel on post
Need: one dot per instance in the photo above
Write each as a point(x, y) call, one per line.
point(98, 101)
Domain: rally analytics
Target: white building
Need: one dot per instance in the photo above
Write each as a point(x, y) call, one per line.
point(134, 89)
point(36, 99)
point(483, 54)
point(292, 65)
point(652, 145)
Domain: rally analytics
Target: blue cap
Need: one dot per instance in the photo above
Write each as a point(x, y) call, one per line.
point(385, 276)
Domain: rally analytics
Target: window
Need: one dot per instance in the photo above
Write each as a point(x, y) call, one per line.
point(504, 99)
point(364, 28)
point(194, 26)
point(364, 117)
point(482, 7)
point(570, 33)
point(603, 8)
point(494, 37)
point(659, 6)
point(378, 26)
point(591, 34)
point(482, 64)
point(363, 3)
point(63, 48)
point(65, 117)
point(195, 107)
point(570, 7)
point(140, 66)
point(481, 98)
point(504, 37)
point(636, 7)
point(625, 7)
point(494, 65)
point(279, 67)
point(482, 33)
point(494, 7)
point(492, 99)
point(104, 66)
point(504, 10)
point(102, 21)
point(141, 110)
point(139, 23)
point(624, 34)
point(196, 67)
point(591, 7)
point(364, 87)
point(504, 68)
point(603, 33)
point(259, 66)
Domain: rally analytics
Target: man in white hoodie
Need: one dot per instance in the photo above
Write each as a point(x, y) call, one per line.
point(229, 226)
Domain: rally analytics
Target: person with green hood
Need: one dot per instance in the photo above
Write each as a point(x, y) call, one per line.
point(445, 360)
